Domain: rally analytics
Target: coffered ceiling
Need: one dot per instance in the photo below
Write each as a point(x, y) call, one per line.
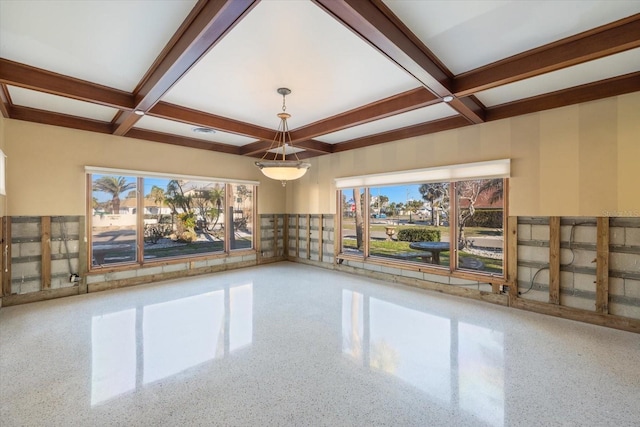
point(361, 72)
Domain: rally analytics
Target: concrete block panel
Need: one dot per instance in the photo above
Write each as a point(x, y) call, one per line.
point(632, 288)
point(214, 261)
point(566, 256)
point(524, 274)
point(632, 236)
point(27, 249)
point(539, 232)
point(26, 287)
point(69, 228)
point(535, 295)
point(372, 267)
point(200, 264)
point(58, 247)
point(121, 275)
point(624, 262)
point(462, 282)
point(174, 267)
point(22, 270)
point(392, 270)
point(584, 282)
point(577, 302)
point(565, 233)
point(524, 231)
point(616, 235)
point(566, 280)
point(616, 286)
point(96, 278)
point(413, 274)
point(585, 234)
point(148, 271)
point(25, 229)
point(584, 258)
point(354, 264)
point(533, 253)
point(436, 278)
point(61, 266)
point(624, 310)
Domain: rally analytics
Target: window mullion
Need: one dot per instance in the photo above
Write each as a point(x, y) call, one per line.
point(365, 220)
point(453, 227)
point(140, 220)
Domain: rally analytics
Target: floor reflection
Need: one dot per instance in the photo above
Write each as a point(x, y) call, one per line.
point(456, 363)
point(134, 347)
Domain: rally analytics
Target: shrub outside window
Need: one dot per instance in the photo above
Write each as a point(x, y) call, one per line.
point(414, 223)
point(136, 219)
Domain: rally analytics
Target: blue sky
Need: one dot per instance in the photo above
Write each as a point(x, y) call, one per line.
point(397, 194)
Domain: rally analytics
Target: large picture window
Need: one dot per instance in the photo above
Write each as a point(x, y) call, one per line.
point(136, 219)
point(448, 224)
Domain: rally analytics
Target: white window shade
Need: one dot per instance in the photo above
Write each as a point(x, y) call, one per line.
point(479, 170)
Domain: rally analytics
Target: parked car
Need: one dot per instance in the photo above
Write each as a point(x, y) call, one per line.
point(381, 215)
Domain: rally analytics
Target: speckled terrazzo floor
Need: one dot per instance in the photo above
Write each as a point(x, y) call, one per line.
point(287, 344)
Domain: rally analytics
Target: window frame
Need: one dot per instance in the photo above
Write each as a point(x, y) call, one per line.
point(453, 268)
point(90, 171)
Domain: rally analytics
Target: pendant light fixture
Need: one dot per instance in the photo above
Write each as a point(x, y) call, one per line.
point(280, 168)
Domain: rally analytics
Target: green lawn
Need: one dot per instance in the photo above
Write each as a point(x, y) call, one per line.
point(444, 231)
point(388, 249)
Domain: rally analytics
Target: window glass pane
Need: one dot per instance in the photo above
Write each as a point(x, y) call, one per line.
point(242, 233)
point(182, 217)
point(113, 222)
point(352, 220)
point(480, 233)
point(434, 213)
point(400, 224)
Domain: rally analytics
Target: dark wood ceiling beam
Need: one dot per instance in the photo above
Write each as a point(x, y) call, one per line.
point(316, 146)
point(408, 132)
point(199, 118)
point(56, 119)
point(606, 40)
point(5, 101)
point(255, 148)
point(181, 141)
point(213, 22)
point(374, 22)
point(27, 77)
point(401, 103)
point(470, 108)
point(588, 92)
point(373, 25)
point(300, 156)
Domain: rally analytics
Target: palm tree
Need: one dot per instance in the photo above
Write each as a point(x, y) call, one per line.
point(216, 197)
point(114, 186)
point(157, 195)
point(358, 199)
point(435, 193)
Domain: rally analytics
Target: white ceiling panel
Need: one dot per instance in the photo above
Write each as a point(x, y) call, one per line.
point(105, 42)
point(466, 35)
point(176, 128)
point(600, 69)
point(421, 115)
point(59, 104)
point(290, 44)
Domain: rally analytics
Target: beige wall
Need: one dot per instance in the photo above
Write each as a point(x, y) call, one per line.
point(45, 167)
point(578, 160)
point(2, 198)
